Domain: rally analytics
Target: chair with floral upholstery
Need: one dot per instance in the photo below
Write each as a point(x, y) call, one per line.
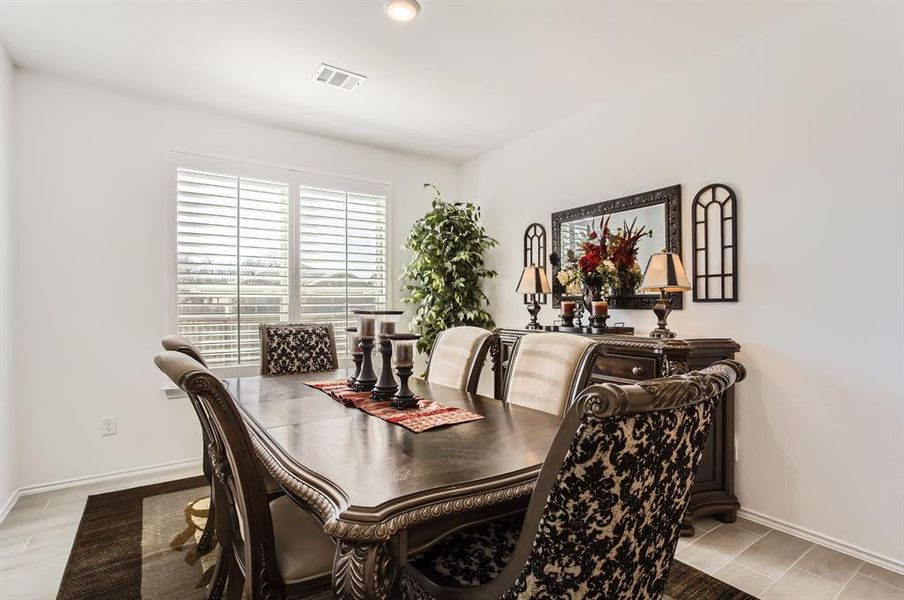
point(547, 370)
point(297, 348)
point(604, 518)
point(458, 356)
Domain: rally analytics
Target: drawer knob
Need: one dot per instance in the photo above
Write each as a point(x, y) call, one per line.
point(637, 370)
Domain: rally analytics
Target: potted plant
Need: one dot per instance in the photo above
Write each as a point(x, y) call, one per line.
point(447, 269)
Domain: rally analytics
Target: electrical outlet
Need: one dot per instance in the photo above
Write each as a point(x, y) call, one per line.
point(108, 426)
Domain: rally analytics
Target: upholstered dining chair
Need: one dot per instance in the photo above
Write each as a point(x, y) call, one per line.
point(274, 549)
point(458, 356)
point(177, 343)
point(604, 518)
point(546, 370)
point(297, 348)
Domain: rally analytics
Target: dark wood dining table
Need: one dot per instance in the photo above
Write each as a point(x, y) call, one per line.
point(380, 490)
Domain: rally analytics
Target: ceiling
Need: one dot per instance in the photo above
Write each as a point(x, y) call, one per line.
point(463, 78)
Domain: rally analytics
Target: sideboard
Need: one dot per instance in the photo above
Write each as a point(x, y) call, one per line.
point(629, 359)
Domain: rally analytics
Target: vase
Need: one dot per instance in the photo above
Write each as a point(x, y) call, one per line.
point(590, 291)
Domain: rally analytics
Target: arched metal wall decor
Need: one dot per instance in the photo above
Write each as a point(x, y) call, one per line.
point(535, 254)
point(715, 235)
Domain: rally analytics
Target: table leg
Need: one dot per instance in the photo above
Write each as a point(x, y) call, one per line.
point(365, 571)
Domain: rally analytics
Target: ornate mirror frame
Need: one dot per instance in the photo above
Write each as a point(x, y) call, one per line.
point(669, 196)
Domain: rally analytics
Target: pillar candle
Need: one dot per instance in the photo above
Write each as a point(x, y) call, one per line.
point(568, 308)
point(354, 343)
point(600, 308)
point(366, 325)
point(405, 354)
point(387, 327)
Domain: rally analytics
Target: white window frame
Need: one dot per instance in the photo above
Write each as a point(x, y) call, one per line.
point(295, 178)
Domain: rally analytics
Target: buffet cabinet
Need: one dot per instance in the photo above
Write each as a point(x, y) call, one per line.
point(629, 359)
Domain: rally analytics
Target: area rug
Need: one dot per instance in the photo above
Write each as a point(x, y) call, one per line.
point(141, 544)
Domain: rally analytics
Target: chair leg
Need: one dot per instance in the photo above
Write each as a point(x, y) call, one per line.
point(217, 584)
point(236, 584)
point(207, 536)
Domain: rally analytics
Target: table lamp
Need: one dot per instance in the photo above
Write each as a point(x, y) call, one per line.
point(664, 274)
point(533, 281)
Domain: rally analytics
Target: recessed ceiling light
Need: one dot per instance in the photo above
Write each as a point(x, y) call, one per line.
point(401, 10)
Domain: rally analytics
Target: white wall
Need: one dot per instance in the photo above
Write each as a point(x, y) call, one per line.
point(93, 290)
point(805, 123)
point(8, 468)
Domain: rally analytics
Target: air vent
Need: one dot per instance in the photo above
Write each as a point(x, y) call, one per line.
point(337, 77)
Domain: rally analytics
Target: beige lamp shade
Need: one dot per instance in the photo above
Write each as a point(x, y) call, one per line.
point(665, 272)
point(533, 281)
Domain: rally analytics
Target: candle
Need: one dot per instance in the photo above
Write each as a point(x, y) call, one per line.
point(404, 354)
point(568, 308)
point(387, 327)
point(366, 325)
point(356, 349)
point(600, 308)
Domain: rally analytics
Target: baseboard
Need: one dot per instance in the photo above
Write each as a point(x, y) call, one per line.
point(149, 471)
point(13, 498)
point(817, 538)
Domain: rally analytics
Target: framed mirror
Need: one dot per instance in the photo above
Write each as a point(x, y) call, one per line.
point(659, 211)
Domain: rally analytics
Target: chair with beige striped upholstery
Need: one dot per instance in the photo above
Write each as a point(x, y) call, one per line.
point(547, 370)
point(458, 356)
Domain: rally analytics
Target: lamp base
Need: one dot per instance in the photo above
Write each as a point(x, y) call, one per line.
point(533, 308)
point(662, 308)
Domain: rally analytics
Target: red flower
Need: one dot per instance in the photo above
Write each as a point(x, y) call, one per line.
point(592, 235)
point(590, 261)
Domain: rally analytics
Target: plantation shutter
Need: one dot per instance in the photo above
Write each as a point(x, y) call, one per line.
point(232, 262)
point(342, 256)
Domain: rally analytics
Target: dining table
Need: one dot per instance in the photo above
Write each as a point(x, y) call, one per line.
point(383, 492)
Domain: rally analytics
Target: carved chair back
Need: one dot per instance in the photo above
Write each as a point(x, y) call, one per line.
point(606, 512)
point(458, 357)
point(604, 518)
point(547, 370)
point(297, 348)
point(246, 531)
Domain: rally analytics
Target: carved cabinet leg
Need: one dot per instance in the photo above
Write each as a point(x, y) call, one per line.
point(365, 571)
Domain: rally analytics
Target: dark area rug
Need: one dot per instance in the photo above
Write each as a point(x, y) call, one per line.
point(141, 544)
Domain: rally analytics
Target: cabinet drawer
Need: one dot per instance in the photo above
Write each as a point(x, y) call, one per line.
point(625, 367)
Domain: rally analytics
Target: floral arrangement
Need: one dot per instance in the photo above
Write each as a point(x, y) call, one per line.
point(606, 261)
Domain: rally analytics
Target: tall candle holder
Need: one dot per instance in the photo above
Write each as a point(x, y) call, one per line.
point(386, 386)
point(366, 378)
point(354, 346)
point(403, 349)
point(386, 326)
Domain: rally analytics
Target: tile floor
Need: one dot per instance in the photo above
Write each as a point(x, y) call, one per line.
point(35, 539)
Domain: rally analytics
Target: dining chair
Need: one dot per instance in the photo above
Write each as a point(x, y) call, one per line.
point(273, 549)
point(605, 515)
point(546, 370)
point(458, 357)
point(177, 343)
point(297, 348)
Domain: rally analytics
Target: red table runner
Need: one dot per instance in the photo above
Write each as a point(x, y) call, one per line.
point(427, 415)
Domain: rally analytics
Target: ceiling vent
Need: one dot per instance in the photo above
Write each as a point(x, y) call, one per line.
point(337, 77)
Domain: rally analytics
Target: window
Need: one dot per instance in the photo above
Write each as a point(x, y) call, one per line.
point(342, 256)
point(259, 245)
